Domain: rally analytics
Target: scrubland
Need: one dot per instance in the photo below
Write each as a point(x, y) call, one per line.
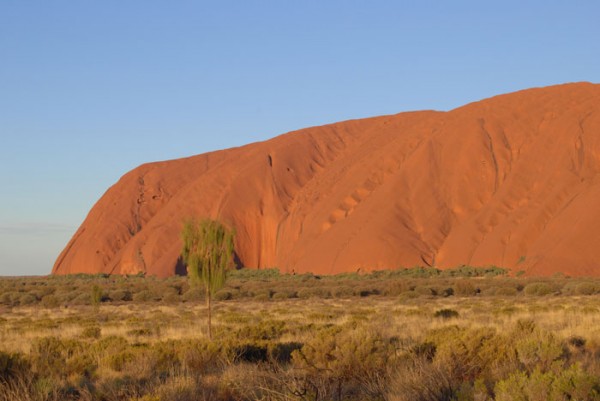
point(415, 334)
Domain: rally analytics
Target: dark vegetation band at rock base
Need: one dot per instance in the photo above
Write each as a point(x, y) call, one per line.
point(270, 284)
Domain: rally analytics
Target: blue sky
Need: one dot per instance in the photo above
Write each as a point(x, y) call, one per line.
point(91, 89)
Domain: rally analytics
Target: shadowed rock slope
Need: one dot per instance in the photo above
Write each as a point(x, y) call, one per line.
point(510, 181)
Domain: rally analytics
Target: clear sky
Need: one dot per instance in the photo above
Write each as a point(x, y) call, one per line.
point(91, 89)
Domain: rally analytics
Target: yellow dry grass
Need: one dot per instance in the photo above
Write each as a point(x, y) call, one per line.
point(565, 316)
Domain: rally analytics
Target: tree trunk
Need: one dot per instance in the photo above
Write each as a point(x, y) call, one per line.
point(208, 307)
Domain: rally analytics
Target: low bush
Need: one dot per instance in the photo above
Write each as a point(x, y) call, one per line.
point(587, 288)
point(120, 295)
point(193, 294)
point(175, 389)
point(505, 292)
point(446, 313)
point(314, 292)
point(423, 290)
point(282, 352)
point(340, 365)
point(538, 289)
point(223, 295)
point(10, 298)
point(572, 383)
point(145, 296)
point(27, 299)
point(91, 332)
point(80, 299)
point(284, 294)
point(12, 366)
point(576, 341)
point(464, 288)
point(343, 291)
point(264, 330)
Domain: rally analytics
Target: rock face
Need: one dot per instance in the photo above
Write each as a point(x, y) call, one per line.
point(511, 181)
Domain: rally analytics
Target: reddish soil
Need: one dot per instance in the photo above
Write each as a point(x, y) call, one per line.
point(510, 181)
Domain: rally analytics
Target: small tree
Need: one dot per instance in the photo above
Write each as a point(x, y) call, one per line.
point(207, 252)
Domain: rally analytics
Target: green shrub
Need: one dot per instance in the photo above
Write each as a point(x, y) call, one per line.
point(471, 271)
point(466, 355)
point(254, 274)
point(575, 383)
point(337, 364)
point(536, 349)
point(512, 388)
point(572, 383)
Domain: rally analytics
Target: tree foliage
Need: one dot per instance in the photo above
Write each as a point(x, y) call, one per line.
point(207, 252)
